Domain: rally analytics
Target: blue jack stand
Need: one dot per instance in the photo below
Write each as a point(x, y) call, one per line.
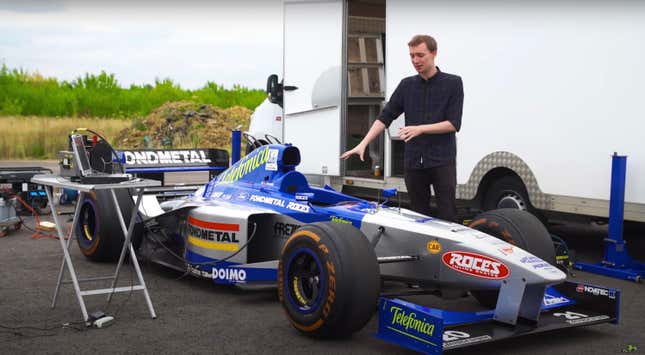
point(616, 262)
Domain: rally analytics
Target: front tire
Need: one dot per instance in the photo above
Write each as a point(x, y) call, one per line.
point(516, 227)
point(328, 280)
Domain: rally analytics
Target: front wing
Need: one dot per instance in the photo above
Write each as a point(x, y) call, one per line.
point(432, 331)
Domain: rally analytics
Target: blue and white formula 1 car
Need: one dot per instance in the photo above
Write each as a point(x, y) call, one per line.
point(261, 222)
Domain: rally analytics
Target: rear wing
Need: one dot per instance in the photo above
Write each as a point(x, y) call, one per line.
point(153, 163)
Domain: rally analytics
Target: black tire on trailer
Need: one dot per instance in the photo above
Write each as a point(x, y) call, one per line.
point(516, 227)
point(328, 280)
point(98, 232)
point(507, 192)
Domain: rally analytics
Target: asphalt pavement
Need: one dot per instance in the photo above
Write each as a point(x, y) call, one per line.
point(197, 316)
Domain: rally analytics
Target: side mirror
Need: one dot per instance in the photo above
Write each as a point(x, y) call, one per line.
point(274, 90)
point(389, 192)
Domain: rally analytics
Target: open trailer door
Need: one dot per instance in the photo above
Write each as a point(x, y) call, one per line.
point(313, 42)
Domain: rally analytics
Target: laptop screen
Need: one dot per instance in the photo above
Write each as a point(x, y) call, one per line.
point(81, 154)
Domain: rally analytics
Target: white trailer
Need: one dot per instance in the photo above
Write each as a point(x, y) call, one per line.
point(552, 90)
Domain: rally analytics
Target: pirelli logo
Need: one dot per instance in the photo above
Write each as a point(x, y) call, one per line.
point(213, 235)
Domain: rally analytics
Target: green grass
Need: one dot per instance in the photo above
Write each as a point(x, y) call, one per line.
point(30, 94)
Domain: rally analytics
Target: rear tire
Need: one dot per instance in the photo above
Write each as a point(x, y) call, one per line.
point(516, 227)
point(328, 280)
point(98, 233)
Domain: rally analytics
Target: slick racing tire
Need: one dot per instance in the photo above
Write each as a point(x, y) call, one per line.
point(328, 280)
point(516, 227)
point(98, 232)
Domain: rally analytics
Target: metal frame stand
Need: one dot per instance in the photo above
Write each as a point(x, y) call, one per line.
point(616, 262)
point(51, 181)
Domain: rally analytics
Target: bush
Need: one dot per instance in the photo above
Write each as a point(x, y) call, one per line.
point(31, 94)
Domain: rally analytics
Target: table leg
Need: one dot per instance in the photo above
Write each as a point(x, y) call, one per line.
point(61, 272)
point(128, 245)
point(67, 258)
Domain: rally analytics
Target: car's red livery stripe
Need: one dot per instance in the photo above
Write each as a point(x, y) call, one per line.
point(214, 225)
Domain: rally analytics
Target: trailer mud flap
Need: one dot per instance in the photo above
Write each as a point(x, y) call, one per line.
point(433, 331)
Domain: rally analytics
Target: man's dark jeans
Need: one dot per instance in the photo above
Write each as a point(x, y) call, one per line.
point(444, 182)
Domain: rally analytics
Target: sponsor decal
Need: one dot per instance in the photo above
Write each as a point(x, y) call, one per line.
point(331, 293)
point(506, 250)
point(453, 338)
point(280, 203)
point(284, 230)
point(268, 200)
point(476, 265)
point(242, 196)
point(550, 300)
point(588, 319)
point(451, 335)
point(402, 323)
point(212, 235)
point(596, 291)
point(569, 315)
point(156, 157)
point(298, 207)
point(272, 161)
point(245, 166)
point(229, 274)
point(340, 220)
point(536, 262)
point(409, 323)
point(208, 190)
point(433, 246)
point(300, 196)
point(196, 271)
point(579, 318)
point(221, 195)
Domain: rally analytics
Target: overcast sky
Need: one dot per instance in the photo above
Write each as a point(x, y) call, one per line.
point(191, 42)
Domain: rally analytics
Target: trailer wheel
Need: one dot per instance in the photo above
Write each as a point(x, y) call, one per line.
point(328, 280)
point(516, 227)
point(507, 192)
point(98, 231)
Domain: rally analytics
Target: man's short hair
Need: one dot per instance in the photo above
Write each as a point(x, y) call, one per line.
point(428, 40)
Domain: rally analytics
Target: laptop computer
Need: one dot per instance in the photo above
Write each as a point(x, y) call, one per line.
point(87, 175)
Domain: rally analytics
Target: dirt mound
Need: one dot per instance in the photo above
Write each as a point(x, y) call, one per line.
point(185, 124)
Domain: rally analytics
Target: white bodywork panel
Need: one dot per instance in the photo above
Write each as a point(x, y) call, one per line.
point(555, 83)
point(313, 38)
point(467, 238)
